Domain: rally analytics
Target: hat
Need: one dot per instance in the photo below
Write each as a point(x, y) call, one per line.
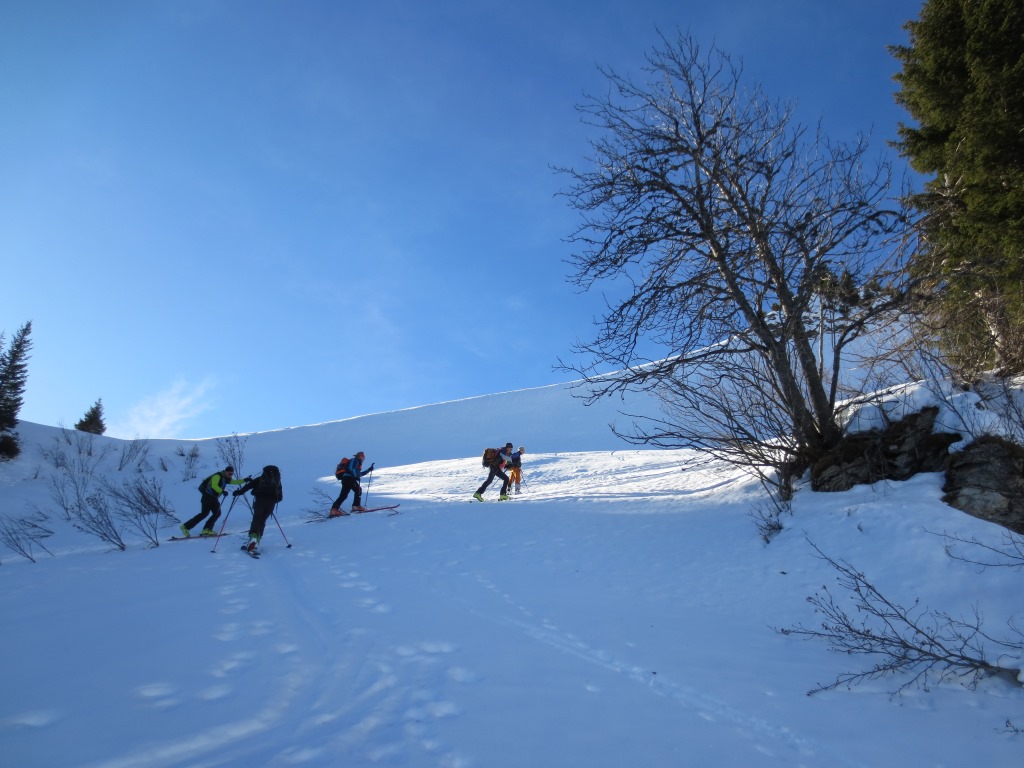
point(229, 468)
point(361, 455)
point(508, 445)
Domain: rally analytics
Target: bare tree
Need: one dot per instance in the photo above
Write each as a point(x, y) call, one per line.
point(732, 237)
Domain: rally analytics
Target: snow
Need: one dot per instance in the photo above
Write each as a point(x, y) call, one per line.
point(622, 611)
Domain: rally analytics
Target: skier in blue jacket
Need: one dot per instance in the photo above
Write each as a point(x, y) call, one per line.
point(350, 482)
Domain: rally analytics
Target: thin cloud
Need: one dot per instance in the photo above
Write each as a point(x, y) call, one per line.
point(164, 414)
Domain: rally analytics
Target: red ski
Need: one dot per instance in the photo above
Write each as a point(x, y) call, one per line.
point(390, 508)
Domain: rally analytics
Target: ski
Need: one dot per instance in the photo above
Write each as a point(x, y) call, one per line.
point(376, 509)
point(386, 507)
point(253, 555)
point(197, 536)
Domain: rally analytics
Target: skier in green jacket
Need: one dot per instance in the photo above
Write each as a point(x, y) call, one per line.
point(214, 488)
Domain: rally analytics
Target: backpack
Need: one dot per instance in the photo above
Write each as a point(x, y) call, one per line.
point(341, 469)
point(205, 485)
point(268, 485)
point(489, 456)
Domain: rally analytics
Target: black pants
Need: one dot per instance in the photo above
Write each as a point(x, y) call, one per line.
point(349, 483)
point(262, 509)
point(211, 506)
point(495, 472)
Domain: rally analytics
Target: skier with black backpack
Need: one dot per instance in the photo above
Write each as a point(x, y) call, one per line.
point(266, 494)
point(494, 459)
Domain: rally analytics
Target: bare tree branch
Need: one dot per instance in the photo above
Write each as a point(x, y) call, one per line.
point(929, 646)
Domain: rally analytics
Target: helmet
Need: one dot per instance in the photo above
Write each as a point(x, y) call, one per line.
point(521, 449)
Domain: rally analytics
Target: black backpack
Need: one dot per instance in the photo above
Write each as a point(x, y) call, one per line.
point(205, 485)
point(268, 485)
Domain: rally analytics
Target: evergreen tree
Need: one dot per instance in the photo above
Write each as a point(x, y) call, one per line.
point(93, 420)
point(962, 81)
point(13, 376)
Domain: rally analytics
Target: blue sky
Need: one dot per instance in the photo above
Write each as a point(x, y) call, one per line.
point(238, 215)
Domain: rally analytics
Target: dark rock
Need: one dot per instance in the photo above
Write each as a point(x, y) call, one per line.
point(896, 453)
point(986, 480)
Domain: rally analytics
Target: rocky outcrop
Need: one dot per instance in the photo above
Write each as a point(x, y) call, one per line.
point(986, 479)
point(896, 453)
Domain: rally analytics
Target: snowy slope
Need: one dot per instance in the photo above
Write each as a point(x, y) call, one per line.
point(619, 612)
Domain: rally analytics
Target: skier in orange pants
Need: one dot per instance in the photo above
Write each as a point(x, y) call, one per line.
point(515, 473)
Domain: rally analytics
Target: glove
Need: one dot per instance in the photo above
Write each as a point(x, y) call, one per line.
point(247, 479)
point(225, 494)
point(238, 493)
point(371, 467)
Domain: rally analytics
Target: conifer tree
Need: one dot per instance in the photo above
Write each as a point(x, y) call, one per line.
point(962, 81)
point(13, 377)
point(92, 421)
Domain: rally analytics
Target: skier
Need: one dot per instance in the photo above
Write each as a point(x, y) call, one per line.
point(501, 455)
point(515, 474)
point(350, 482)
point(267, 494)
point(212, 489)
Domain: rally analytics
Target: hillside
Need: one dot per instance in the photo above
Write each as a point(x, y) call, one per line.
point(621, 611)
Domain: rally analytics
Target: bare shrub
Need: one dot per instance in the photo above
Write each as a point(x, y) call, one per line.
point(141, 506)
point(927, 645)
point(1009, 555)
point(768, 513)
point(322, 502)
point(191, 459)
point(96, 518)
point(231, 451)
point(76, 452)
point(23, 535)
point(134, 453)
point(69, 492)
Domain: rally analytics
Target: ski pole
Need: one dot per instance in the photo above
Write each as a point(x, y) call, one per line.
point(274, 515)
point(226, 516)
point(366, 498)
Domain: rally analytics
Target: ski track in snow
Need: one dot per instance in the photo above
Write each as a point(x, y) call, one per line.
point(340, 694)
point(702, 705)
